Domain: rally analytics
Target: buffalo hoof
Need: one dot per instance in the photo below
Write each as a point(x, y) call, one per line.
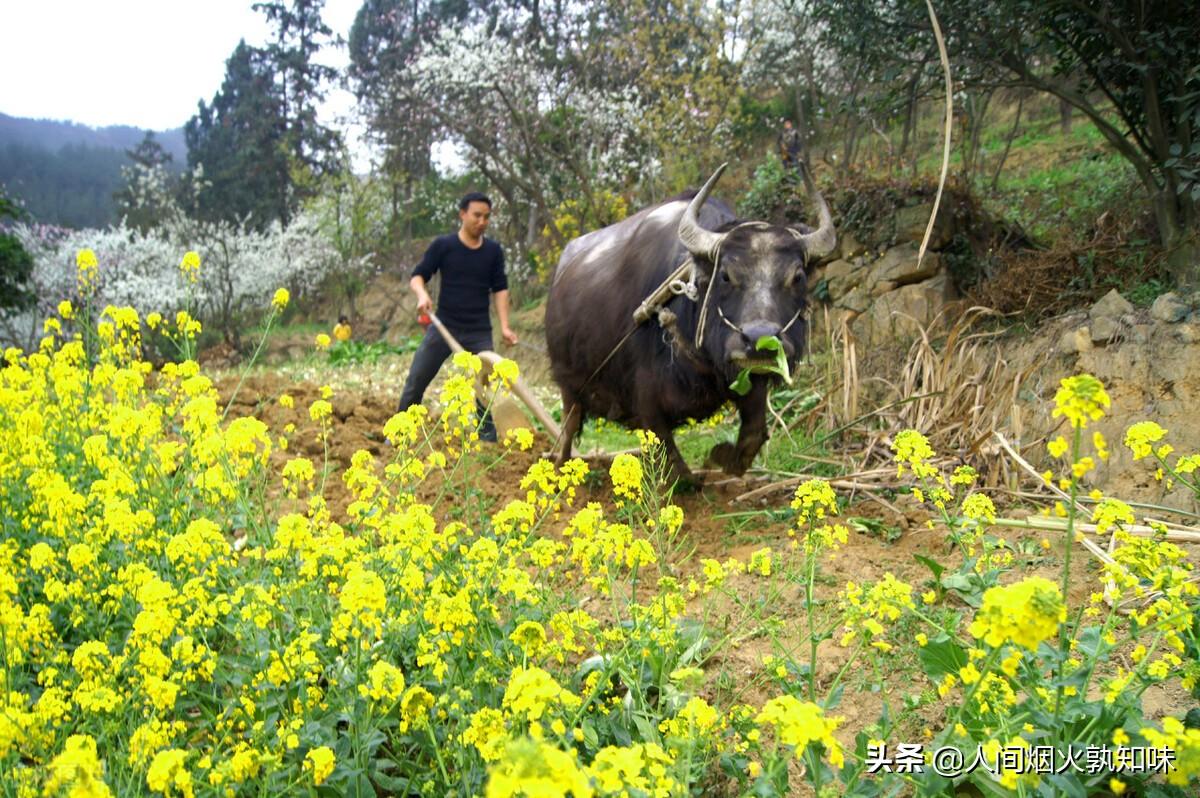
point(688, 483)
point(724, 456)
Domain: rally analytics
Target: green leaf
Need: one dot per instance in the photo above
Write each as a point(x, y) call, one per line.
point(778, 367)
point(941, 657)
point(741, 386)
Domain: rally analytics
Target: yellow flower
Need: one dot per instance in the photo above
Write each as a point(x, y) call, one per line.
point(1080, 399)
point(626, 474)
point(77, 770)
point(386, 683)
point(189, 267)
point(1139, 436)
point(467, 362)
point(521, 436)
point(978, 507)
point(322, 341)
point(320, 409)
point(1026, 613)
point(321, 762)
point(530, 636)
point(281, 298)
point(88, 270)
point(1057, 447)
point(1185, 742)
point(506, 371)
point(168, 773)
point(531, 767)
point(415, 706)
point(531, 691)
point(800, 723)
point(912, 448)
point(65, 309)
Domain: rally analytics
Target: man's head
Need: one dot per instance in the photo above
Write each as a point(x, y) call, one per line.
point(787, 124)
point(474, 212)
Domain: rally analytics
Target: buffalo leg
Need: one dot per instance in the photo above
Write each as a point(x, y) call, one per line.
point(677, 467)
point(571, 424)
point(735, 458)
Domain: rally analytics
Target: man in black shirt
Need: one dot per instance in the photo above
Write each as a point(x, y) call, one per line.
point(472, 267)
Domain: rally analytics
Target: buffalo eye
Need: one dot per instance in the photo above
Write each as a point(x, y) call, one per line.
point(725, 277)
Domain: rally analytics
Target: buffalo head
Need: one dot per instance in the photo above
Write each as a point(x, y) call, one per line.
point(753, 280)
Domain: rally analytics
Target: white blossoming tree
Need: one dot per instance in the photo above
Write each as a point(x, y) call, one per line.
point(240, 270)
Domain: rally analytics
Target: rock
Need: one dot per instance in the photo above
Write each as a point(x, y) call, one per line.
point(899, 265)
point(1169, 308)
point(1111, 305)
point(841, 276)
point(1105, 328)
point(900, 314)
point(851, 247)
point(881, 287)
point(1075, 341)
point(911, 223)
point(856, 300)
point(1141, 332)
point(1188, 333)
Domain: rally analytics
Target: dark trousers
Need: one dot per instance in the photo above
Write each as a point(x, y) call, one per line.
point(430, 356)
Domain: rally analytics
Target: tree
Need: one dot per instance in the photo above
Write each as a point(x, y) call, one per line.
point(146, 198)
point(238, 141)
point(1131, 67)
point(299, 85)
point(16, 265)
point(387, 38)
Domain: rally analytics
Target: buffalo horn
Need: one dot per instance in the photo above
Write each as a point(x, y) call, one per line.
point(700, 242)
point(821, 241)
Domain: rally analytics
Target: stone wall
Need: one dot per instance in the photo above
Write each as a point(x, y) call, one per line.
point(888, 295)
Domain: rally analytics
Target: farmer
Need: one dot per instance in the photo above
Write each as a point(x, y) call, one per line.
point(472, 267)
point(790, 146)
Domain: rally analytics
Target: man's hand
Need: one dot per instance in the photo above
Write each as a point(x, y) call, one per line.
point(424, 301)
point(509, 336)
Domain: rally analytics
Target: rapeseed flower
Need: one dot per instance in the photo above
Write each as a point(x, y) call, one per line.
point(536, 769)
point(189, 267)
point(799, 724)
point(320, 762)
point(1025, 613)
point(1080, 399)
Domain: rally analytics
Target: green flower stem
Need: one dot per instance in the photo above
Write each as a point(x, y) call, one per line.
point(810, 577)
point(253, 358)
point(437, 752)
point(1064, 636)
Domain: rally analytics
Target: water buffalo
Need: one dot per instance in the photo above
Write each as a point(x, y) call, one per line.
point(664, 373)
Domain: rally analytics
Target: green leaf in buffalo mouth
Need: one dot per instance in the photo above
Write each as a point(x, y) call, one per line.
point(778, 366)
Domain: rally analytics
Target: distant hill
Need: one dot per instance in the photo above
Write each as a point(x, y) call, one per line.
point(52, 135)
point(66, 173)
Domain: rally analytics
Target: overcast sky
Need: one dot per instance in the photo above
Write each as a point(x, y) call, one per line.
point(144, 63)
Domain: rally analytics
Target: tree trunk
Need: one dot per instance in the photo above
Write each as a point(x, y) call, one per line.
point(1008, 142)
point(1064, 116)
point(1175, 216)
